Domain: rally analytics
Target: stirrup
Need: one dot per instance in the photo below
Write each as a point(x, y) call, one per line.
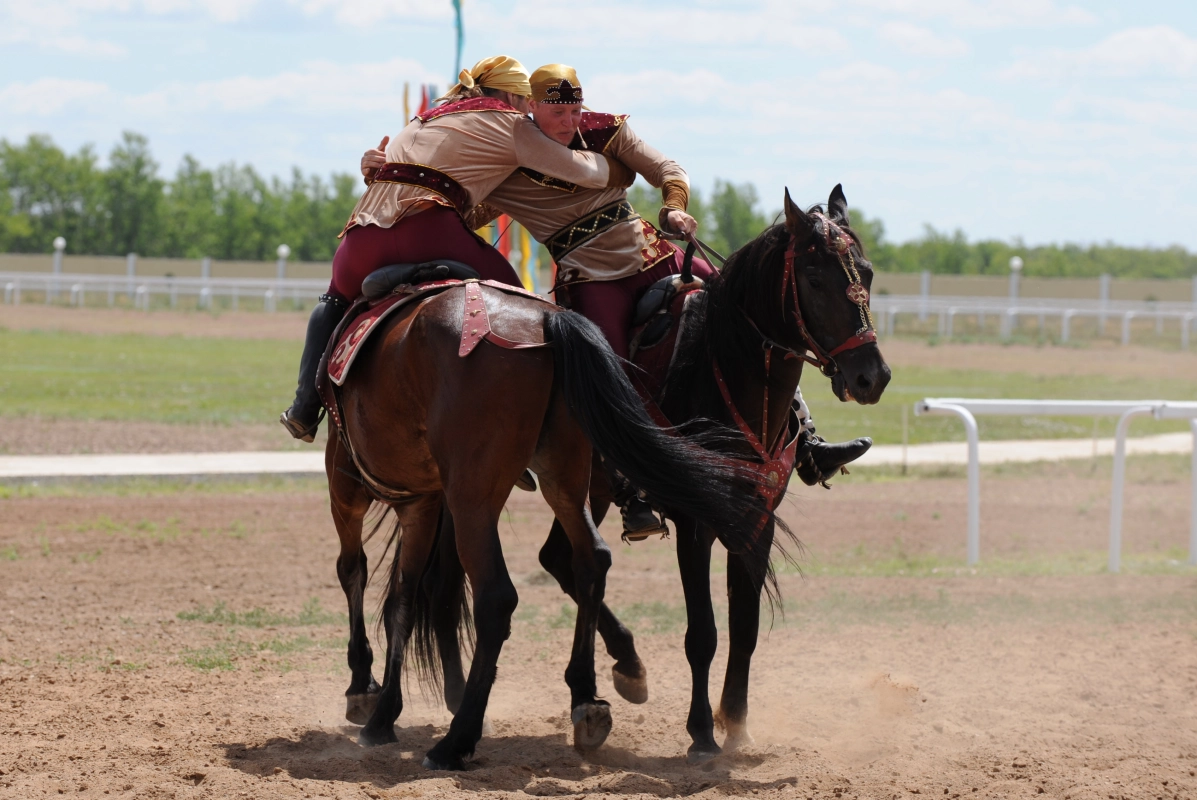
point(655, 528)
point(296, 429)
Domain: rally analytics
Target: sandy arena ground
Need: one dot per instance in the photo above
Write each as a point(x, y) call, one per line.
point(128, 666)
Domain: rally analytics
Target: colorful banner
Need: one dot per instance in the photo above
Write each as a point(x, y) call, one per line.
point(527, 264)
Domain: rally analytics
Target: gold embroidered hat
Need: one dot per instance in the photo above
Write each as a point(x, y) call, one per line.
point(497, 72)
point(556, 83)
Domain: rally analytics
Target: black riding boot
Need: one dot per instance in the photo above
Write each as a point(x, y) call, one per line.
point(639, 519)
point(303, 417)
point(819, 462)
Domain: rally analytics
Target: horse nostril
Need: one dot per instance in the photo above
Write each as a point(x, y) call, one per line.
point(864, 382)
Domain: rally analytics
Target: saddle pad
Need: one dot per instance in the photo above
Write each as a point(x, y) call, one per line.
point(357, 332)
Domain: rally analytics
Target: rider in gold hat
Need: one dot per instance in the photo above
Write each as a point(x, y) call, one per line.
point(441, 165)
point(606, 254)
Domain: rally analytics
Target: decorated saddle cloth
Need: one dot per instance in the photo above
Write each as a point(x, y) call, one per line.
point(367, 315)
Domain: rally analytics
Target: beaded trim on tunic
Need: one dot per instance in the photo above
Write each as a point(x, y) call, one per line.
point(465, 106)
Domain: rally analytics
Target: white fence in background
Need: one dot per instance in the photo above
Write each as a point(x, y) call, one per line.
point(966, 409)
point(1009, 312)
point(141, 290)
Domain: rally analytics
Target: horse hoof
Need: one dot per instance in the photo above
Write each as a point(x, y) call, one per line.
point(592, 725)
point(631, 687)
point(702, 754)
point(359, 707)
point(737, 737)
point(442, 763)
point(375, 738)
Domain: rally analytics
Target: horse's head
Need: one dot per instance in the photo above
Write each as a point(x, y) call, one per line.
point(828, 279)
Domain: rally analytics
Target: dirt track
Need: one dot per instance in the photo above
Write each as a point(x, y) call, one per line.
point(958, 686)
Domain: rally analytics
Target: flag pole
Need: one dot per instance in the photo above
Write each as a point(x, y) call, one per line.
point(460, 37)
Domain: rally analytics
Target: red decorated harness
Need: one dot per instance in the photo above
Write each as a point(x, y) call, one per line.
point(777, 461)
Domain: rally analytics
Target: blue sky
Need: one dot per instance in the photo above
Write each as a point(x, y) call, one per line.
point(1042, 119)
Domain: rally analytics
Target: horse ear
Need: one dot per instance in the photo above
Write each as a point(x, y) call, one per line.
point(837, 205)
point(799, 224)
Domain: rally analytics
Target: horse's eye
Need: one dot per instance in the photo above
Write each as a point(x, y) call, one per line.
point(815, 283)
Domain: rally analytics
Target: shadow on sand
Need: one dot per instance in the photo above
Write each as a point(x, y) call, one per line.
point(537, 765)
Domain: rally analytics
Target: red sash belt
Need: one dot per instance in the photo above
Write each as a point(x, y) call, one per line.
point(427, 178)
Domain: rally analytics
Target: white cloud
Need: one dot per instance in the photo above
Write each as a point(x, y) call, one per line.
point(985, 13)
point(624, 24)
point(1159, 51)
point(50, 96)
point(362, 13)
point(317, 88)
point(918, 41)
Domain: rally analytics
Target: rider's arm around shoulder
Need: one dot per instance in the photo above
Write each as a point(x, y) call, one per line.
point(661, 172)
point(590, 170)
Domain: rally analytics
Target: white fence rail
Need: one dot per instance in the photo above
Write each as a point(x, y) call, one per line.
point(141, 290)
point(967, 408)
point(1009, 312)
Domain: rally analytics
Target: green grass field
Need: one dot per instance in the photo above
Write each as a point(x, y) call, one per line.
point(836, 420)
point(153, 378)
point(185, 380)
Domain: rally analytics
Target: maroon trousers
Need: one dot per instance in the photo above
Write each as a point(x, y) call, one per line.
point(435, 233)
point(610, 304)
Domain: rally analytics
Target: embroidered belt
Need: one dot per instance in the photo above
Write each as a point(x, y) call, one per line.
point(426, 178)
point(573, 236)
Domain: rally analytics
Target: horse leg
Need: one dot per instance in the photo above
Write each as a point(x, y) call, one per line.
point(495, 599)
point(445, 590)
point(564, 483)
point(694, 562)
point(350, 502)
point(416, 531)
point(744, 611)
point(628, 673)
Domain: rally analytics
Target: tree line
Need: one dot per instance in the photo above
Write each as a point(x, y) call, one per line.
point(233, 212)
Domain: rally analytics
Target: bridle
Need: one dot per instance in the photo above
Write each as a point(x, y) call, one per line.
point(839, 243)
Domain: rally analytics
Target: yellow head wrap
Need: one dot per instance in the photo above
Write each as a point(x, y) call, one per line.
point(556, 83)
point(497, 72)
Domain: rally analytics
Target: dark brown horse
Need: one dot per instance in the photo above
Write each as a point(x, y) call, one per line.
point(428, 432)
point(797, 294)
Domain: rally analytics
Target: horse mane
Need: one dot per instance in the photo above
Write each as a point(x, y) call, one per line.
point(716, 330)
point(748, 286)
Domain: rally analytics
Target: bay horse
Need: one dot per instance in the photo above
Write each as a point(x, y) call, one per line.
point(796, 294)
point(430, 433)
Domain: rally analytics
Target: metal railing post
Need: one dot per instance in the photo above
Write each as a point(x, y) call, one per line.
point(973, 534)
point(1193, 499)
point(1126, 322)
point(1115, 558)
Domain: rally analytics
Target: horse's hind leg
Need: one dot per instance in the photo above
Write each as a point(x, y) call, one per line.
point(744, 613)
point(495, 599)
point(350, 502)
point(445, 589)
point(628, 673)
point(694, 560)
point(416, 533)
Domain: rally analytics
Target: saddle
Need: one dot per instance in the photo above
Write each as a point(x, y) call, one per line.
point(382, 282)
point(656, 324)
point(388, 289)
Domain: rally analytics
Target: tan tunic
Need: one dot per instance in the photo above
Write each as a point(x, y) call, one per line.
point(478, 149)
point(622, 250)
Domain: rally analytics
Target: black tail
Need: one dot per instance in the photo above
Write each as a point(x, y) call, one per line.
point(679, 470)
